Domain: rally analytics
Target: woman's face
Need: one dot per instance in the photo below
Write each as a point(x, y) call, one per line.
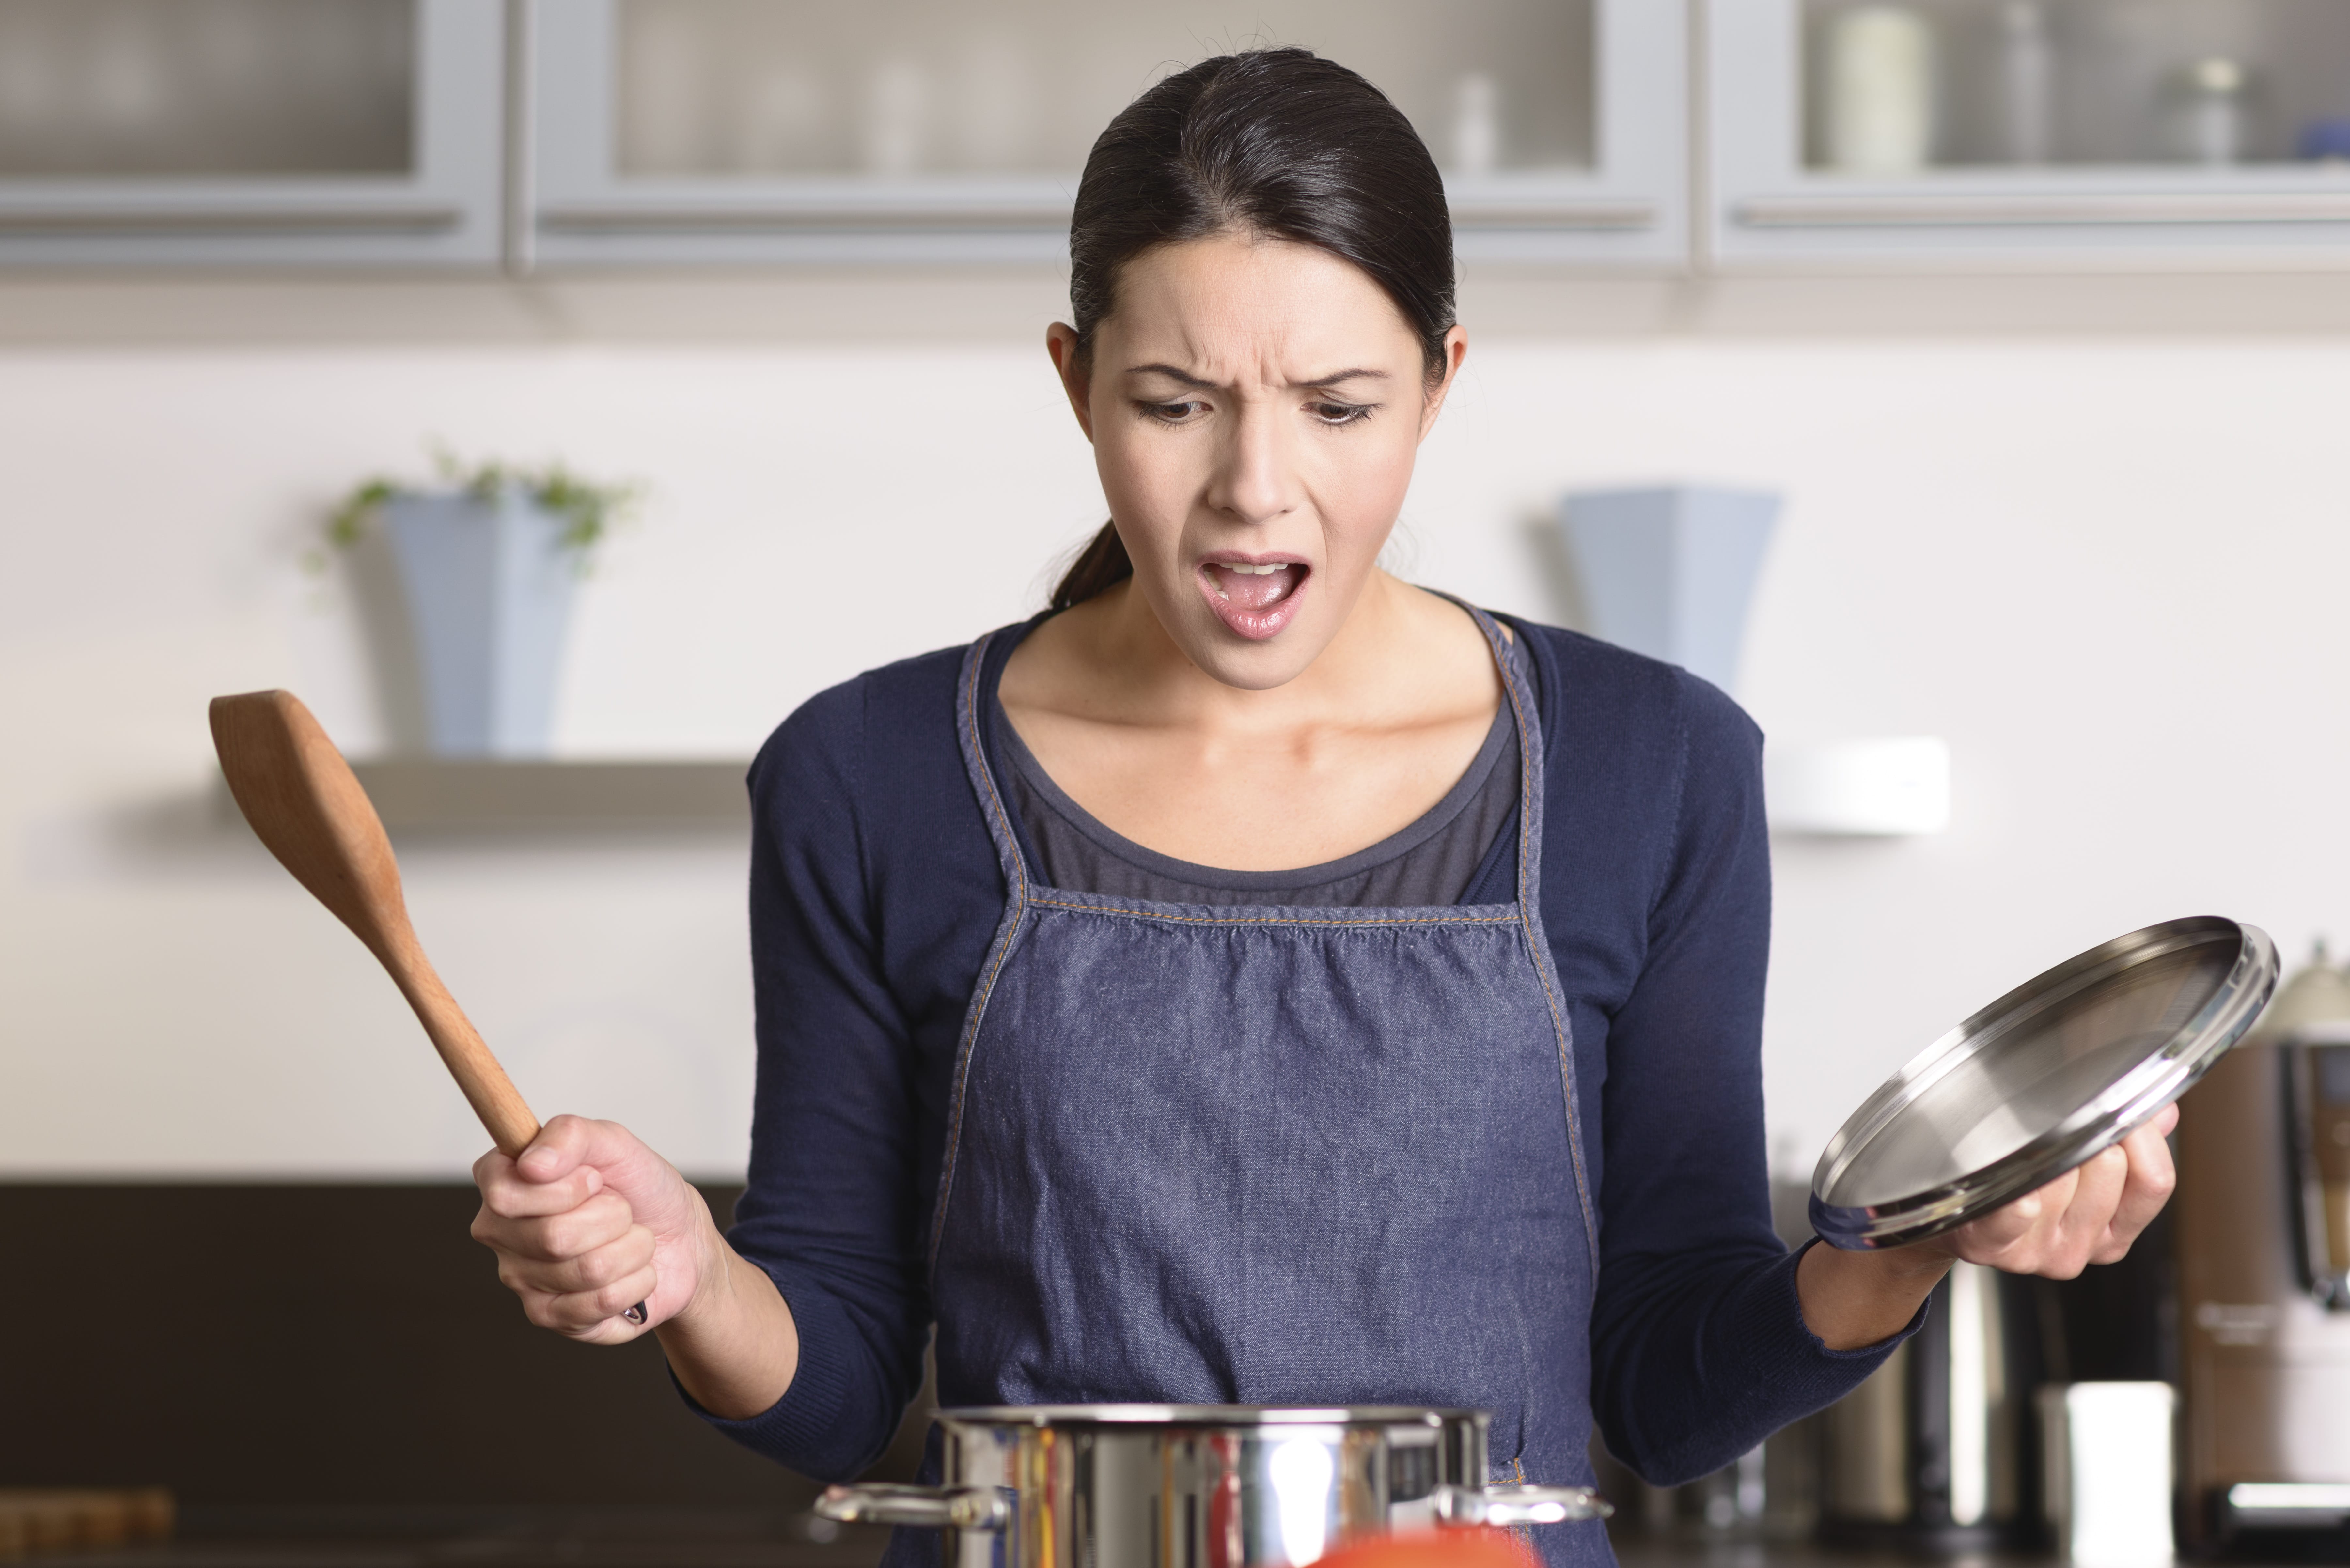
point(1254, 408)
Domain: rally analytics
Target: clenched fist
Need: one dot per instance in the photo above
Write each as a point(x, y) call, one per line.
point(588, 1224)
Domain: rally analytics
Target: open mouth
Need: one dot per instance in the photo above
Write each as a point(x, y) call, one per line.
point(1255, 598)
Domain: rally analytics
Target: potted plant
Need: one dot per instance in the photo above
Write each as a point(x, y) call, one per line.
point(487, 560)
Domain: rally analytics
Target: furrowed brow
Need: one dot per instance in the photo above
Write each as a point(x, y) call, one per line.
point(1337, 376)
point(1183, 377)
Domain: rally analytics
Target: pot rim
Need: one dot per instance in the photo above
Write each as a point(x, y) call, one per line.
point(1209, 1415)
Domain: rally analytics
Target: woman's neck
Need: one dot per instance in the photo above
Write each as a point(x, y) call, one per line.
point(1400, 648)
point(1359, 745)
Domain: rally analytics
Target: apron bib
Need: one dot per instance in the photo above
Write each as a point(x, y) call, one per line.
point(1249, 1155)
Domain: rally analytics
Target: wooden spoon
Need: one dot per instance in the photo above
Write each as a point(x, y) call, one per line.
point(299, 796)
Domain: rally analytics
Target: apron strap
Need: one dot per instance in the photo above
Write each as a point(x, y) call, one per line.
point(970, 716)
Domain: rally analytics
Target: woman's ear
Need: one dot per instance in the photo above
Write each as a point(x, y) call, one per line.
point(1456, 349)
point(1075, 367)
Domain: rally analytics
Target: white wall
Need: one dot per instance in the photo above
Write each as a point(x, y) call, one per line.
point(2108, 569)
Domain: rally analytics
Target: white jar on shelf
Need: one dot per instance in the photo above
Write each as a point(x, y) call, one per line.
point(1880, 100)
point(2210, 127)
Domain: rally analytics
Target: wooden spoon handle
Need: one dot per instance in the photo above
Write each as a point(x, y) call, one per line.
point(503, 1112)
point(304, 802)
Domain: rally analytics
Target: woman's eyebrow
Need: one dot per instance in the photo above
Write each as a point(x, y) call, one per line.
point(1188, 379)
point(1173, 374)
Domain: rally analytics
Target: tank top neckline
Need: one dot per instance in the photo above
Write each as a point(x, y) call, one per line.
point(1478, 774)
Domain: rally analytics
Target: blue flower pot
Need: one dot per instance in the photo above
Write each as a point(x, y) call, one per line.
point(488, 582)
point(1670, 571)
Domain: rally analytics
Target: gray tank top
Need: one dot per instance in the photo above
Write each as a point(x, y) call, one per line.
point(1428, 863)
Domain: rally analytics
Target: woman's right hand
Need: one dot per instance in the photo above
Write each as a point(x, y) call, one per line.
point(589, 1222)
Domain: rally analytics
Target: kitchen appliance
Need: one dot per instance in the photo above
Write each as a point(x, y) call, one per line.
point(1187, 1486)
point(1934, 1449)
point(2263, 1187)
point(2061, 1067)
point(2105, 1452)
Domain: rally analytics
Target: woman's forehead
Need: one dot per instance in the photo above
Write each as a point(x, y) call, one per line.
point(1247, 305)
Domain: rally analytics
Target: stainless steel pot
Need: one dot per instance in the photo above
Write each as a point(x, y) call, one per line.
point(1199, 1486)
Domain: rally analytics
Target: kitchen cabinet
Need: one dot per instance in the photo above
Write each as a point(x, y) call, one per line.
point(196, 133)
point(593, 133)
point(953, 130)
point(2006, 133)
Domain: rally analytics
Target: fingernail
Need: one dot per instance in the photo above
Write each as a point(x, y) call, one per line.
point(636, 1314)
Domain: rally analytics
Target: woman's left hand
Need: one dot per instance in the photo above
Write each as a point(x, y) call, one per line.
point(2088, 1215)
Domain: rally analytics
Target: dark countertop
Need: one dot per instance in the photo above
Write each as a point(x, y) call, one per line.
point(664, 1538)
point(481, 1537)
point(667, 1537)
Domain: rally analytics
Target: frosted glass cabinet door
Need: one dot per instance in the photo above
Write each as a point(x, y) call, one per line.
point(190, 132)
point(739, 131)
point(2067, 132)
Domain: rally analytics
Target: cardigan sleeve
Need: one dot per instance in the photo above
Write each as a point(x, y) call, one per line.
point(830, 1211)
point(1699, 1348)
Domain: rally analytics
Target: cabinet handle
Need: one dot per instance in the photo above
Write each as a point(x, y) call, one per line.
point(738, 220)
point(1615, 216)
point(1951, 210)
point(224, 220)
point(617, 218)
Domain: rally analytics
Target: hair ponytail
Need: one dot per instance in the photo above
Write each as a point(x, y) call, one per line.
point(1102, 564)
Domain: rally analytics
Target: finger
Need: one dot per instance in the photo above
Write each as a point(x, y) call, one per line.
point(577, 1312)
point(2082, 1227)
point(507, 1194)
point(2013, 1236)
point(602, 1220)
point(541, 1308)
point(2166, 1120)
point(2151, 1178)
point(616, 1259)
point(561, 1145)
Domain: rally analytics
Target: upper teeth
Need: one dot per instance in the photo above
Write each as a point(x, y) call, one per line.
point(1246, 570)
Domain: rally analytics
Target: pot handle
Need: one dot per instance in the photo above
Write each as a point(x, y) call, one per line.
point(921, 1507)
point(1512, 1505)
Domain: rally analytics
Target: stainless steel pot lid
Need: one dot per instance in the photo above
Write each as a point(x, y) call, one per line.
point(2042, 1079)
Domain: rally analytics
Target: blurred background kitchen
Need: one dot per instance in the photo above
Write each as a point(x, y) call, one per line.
point(1971, 375)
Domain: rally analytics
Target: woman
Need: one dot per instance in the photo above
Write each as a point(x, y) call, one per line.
point(1257, 979)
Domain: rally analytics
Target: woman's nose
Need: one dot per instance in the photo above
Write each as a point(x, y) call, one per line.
point(1256, 475)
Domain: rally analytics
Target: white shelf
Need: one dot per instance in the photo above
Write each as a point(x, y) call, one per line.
point(434, 795)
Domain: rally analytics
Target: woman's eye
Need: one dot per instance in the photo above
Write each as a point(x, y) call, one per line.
point(1173, 413)
point(1340, 413)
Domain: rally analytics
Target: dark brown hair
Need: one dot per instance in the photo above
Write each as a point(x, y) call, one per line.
point(1278, 143)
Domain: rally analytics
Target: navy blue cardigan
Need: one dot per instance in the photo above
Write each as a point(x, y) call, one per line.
point(875, 891)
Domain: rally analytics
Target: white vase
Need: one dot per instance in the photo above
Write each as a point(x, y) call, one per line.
point(488, 583)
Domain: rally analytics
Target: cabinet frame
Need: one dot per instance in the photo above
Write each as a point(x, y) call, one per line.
point(1764, 208)
point(447, 212)
point(1630, 209)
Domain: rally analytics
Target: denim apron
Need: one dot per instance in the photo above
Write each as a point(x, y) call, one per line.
point(1202, 1154)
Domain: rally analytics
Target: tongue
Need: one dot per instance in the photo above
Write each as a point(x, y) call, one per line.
point(1249, 591)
